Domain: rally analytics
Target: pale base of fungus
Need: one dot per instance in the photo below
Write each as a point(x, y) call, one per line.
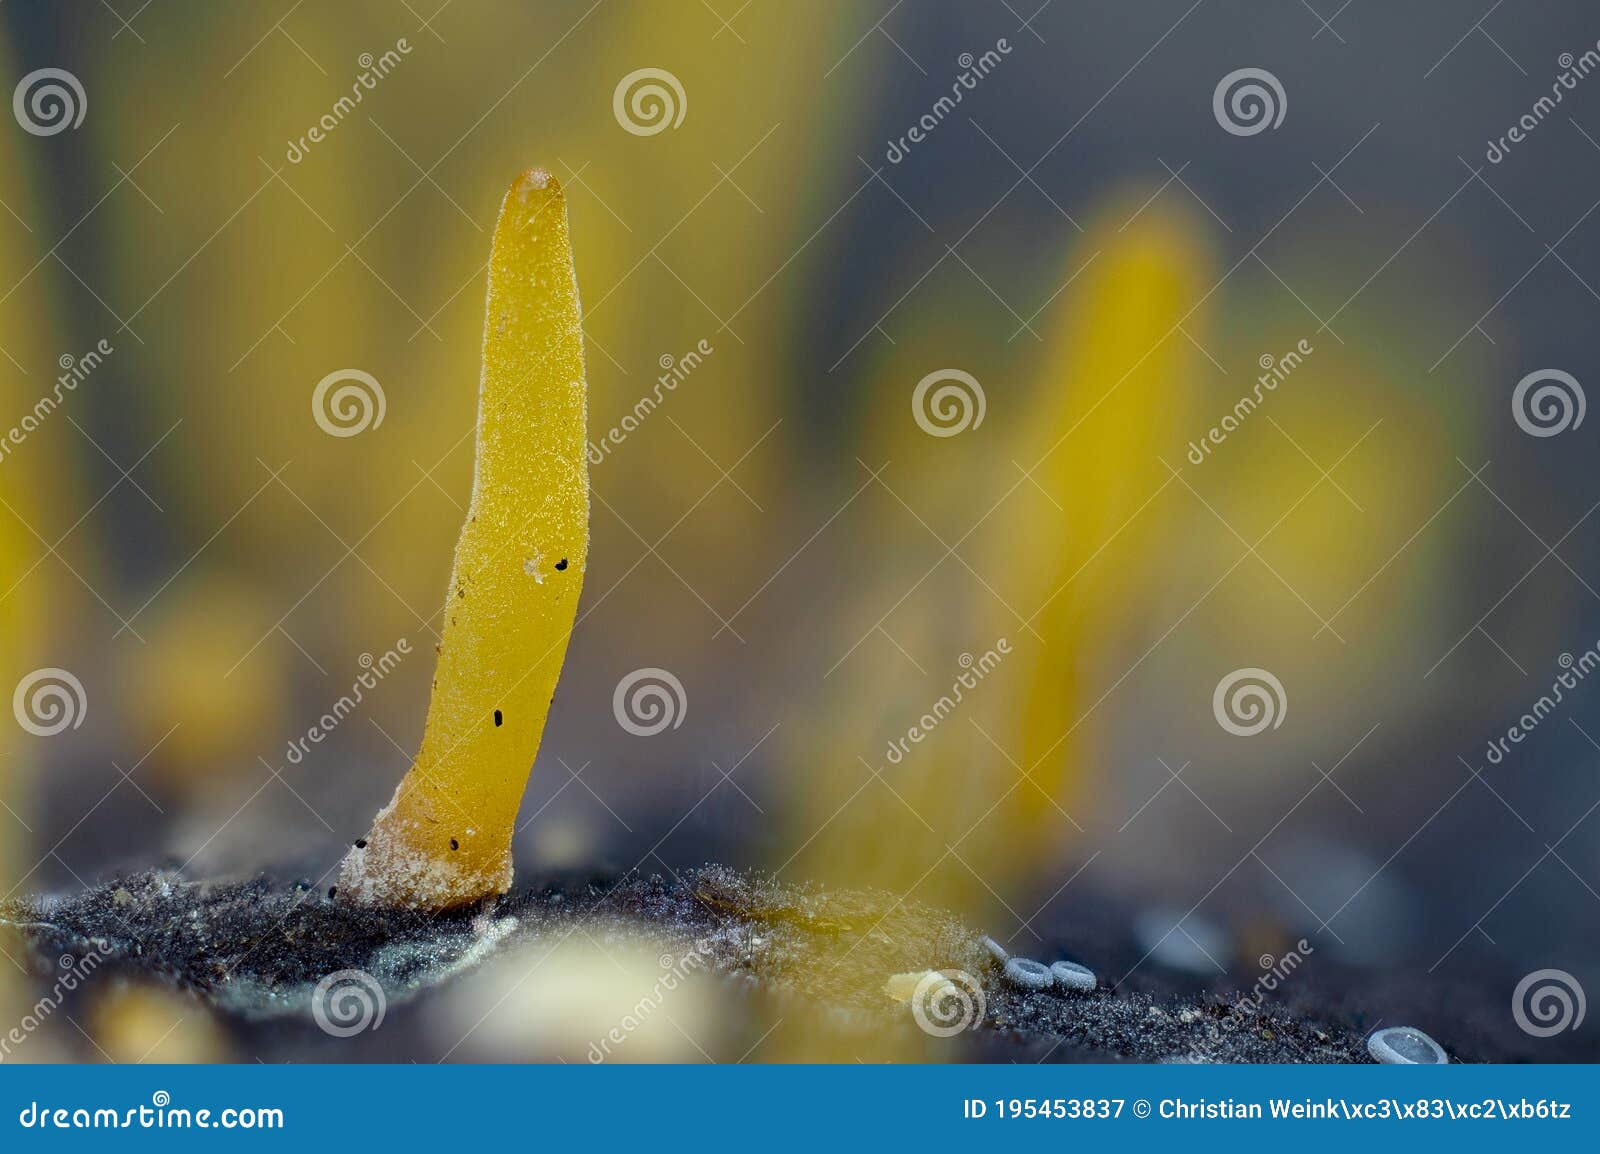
point(391, 870)
point(444, 840)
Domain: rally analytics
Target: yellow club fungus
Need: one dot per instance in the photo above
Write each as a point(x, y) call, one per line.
point(1119, 381)
point(445, 839)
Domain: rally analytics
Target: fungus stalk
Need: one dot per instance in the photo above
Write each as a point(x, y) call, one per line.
point(445, 838)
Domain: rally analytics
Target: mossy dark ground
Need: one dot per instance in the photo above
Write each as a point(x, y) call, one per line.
point(256, 949)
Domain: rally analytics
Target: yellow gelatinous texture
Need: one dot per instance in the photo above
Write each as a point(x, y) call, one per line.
point(445, 839)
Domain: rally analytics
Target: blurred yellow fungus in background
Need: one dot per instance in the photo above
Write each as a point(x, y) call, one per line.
point(139, 1022)
point(445, 839)
point(185, 694)
point(1117, 394)
point(956, 783)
